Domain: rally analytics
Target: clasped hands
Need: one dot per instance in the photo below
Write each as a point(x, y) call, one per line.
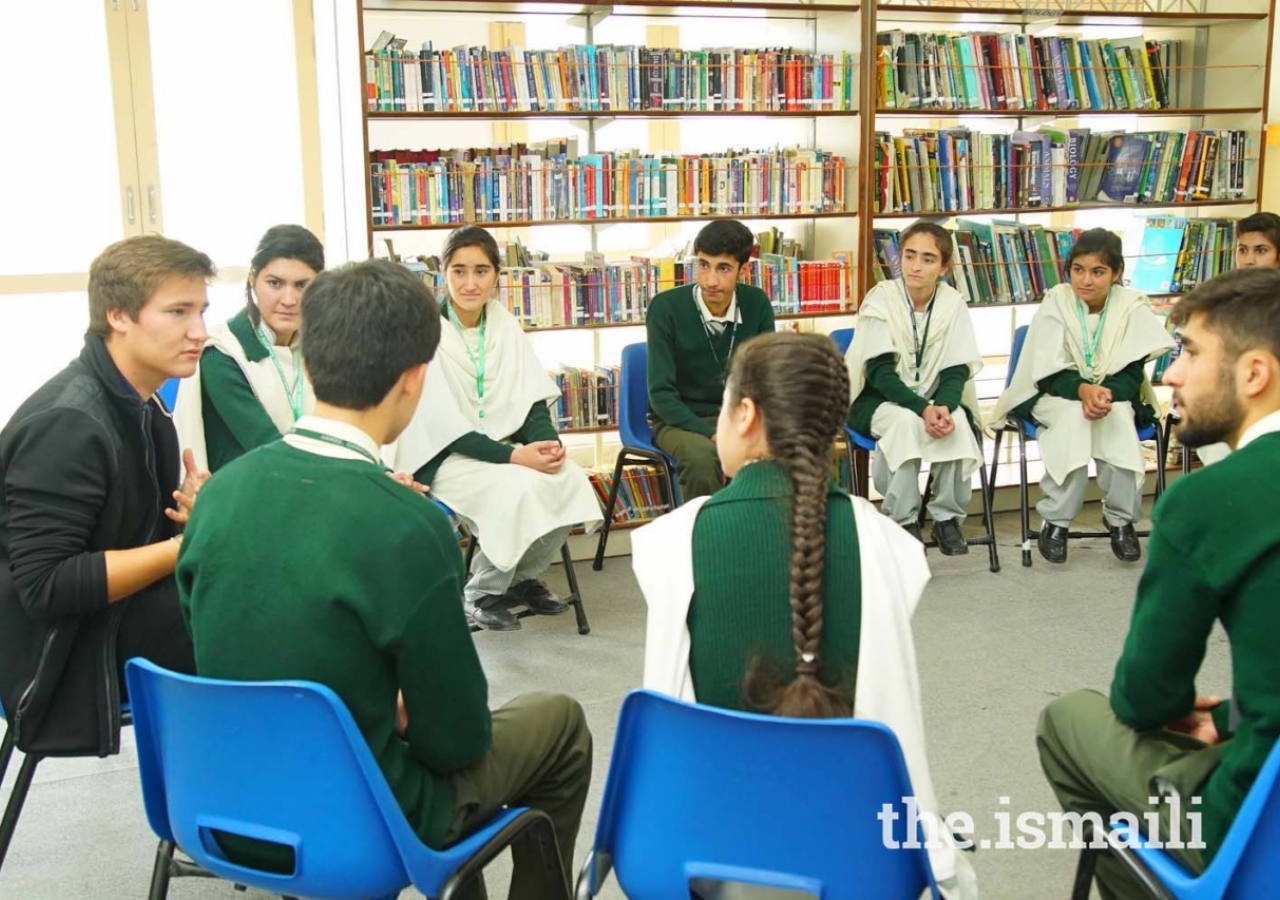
point(541, 456)
point(1096, 400)
point(937, 421)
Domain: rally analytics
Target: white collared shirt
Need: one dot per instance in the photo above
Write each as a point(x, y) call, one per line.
point(1266, 425)
point(341, 431)
point(730, 314)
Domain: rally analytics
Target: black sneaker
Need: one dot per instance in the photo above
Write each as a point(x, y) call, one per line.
point(1053, 543)
point(1124, 543)
point(914, 530)
point(492, 614)
point(536, 596)
point(950, 538)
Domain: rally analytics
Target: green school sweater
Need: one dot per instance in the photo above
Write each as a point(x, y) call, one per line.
point(686, 365)
point(234, 420)
point(1214, 555)
point(300, 566)
point(741, 574)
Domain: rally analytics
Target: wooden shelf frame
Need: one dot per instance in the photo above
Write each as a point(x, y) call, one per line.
point(1180, 113)
point(640, 220)
point(617, 114)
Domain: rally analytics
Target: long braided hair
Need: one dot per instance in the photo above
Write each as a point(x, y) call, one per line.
point(800, 385)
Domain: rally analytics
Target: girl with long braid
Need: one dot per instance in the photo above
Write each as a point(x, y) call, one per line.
point(781, 594)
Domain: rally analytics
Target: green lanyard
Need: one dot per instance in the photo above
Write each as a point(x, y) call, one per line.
point(337, 442)
point(918, 345)
point(292, 394)
point(1090, 346)
point(477, 361)
point(733, 336)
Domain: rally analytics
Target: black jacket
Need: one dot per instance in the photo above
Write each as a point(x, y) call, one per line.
point(85, 466)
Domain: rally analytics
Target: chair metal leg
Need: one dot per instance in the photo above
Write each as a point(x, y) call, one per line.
point(1162, 453)
point(575, 596)
point(472, 543)
point(598, 563)
point(1084, 873)
point(988, 520)
point(6, 751)
point(14, 809)
point(531, 825)
point(995, 462)
point(160, 872)
point(1024, 498)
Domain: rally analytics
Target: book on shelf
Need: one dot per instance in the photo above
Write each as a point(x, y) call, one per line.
point(1208, 249)
point(959, 169)
point(588, 397)
point(545, 294)
point(604, 78)
point(995, 262)
point(642, 493)
point(990, 71)
point(548, 181)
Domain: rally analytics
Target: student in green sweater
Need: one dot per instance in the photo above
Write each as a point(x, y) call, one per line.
point(370, 602)
point(782, 594)
point(692, 333)
point(251, 387)
point(1213, 556)
point(911, 370)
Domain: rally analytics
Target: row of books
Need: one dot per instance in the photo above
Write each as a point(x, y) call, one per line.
point(992, 262)
point(527, 183)
point(604, 77)
point(588, 397)
point(958, 169)
point(1179, 253)
point(988, 71)
point(641, 495)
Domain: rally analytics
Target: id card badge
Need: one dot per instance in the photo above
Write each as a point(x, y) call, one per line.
point(481, 428)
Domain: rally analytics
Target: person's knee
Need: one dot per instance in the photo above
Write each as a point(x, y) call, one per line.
point(1065, 714)
point(564, 712)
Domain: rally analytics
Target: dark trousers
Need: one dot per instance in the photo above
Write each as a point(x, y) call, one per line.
point(153, 628)
point(697, 463)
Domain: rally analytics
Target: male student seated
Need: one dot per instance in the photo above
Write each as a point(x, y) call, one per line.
point(306, 561)
point(1214, 556)
point(88, 519)
point(693, 331)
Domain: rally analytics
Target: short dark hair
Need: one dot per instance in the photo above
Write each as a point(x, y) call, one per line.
point(1263, 223)
point(129, 272)
point(282, 242)
point(470, 236)
point(940, 236)
point(363, 325)
point(725, 237)
point(1241, 306)
point(1100, 242)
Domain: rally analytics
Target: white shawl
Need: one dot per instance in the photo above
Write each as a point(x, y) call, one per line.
point(1055, 342)
point(894, 575)
point(264, 380)
point(884, 326)
point(514, 380)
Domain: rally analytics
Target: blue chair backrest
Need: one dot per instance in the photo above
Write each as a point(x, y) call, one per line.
point(695, 791)
point(633, 399)
point(277, 761)
point(1255, 834)
point(1019, 338)
point(843, 338)
point(169, 393)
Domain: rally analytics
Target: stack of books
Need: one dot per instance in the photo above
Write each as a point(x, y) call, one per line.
point(549, 182)
point(1179, 253)
point(604, 77)
point(988, 71)
point(958, 169)
point(588, 397)
point(642, 495)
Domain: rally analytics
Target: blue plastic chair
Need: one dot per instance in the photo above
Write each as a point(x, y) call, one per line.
point(637, 437)
point(1027, 431)
point(283, 761)
point(1244, 865)
point(699, 792)
point(566, 559)
point(169, 393)
point(855, 442)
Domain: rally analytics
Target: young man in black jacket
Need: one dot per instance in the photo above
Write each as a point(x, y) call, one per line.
point(89, 519)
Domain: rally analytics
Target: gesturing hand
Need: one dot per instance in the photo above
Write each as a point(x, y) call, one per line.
point(408, 481)
point(191, 484)
point(1199, 722)
point(541, 456)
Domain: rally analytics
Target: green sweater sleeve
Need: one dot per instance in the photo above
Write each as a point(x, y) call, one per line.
point(472, 444)
point(446, 695)
point(225, 386)
point(1173, 616)
point(1064, 384)
point(664, 395)
point(951, 382)
point(537, 425)
point(882, 375)
point(1126, 385)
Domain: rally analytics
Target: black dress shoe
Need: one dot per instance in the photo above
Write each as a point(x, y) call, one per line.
point(1124, 543)
point(949, 537)
point(492, 615)
point(914, 530)
point(536, 596)
point(1053, 543)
